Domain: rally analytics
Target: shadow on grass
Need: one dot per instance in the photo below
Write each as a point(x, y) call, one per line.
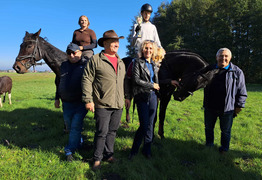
point(38, 128)
point(176, 159)
point(34, 128)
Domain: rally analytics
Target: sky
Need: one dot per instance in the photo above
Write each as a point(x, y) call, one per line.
point(59, 18)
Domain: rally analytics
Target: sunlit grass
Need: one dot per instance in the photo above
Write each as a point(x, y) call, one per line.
point(32, 140)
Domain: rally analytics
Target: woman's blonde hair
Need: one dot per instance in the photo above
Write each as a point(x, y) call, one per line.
point(145, 42)
point(79, 20)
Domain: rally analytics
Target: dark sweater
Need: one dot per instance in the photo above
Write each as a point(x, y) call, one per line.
point(217, 91)
point(86, 38)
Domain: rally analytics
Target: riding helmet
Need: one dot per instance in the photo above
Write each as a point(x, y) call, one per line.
point(147, 7)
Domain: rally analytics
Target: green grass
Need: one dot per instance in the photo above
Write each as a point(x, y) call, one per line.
point(34, 130)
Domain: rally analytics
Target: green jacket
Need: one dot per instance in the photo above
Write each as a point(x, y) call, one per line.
point(101, 84)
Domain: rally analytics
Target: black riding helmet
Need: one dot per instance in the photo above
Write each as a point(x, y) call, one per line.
point(147, 7)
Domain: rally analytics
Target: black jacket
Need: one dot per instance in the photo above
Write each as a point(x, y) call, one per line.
point(141, 79)
point(70, 82)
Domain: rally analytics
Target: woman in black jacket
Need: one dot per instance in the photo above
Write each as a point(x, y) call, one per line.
point(145, 85)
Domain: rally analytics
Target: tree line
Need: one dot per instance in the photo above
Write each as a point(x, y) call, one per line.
point(204, 26)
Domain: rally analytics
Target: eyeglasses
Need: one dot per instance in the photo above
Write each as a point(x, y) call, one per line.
point(71, 52)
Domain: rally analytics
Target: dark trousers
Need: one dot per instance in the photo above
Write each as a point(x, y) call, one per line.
point(226, 121)
point(107, 123)
point(146, 112)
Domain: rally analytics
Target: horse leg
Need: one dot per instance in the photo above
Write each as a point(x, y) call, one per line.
point(155, 120)
point(127, 115)
point(162, 114)
point(9, 97)
point(1, 105)
point(4, 97)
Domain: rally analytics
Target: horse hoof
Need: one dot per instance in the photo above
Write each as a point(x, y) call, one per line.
point(128, 119)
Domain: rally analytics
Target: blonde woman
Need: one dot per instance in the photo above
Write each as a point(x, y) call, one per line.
point(145, 85)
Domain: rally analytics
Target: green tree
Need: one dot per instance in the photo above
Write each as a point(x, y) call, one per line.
point(204, 26)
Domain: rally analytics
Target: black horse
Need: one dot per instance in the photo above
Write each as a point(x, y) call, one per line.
point(189, 69)
point(35, 48)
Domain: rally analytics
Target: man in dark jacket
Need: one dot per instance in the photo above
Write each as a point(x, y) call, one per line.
point(224, 97)
point(70, 92)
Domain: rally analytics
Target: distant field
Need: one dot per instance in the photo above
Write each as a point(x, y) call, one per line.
point(32, 140)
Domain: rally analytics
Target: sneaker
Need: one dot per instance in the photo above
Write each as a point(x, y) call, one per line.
point(70, 158)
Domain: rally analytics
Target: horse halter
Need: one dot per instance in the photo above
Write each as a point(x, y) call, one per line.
point(32, 60)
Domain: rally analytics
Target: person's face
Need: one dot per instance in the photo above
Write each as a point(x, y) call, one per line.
point(83, 22)
point(74, 57)
point(146, 15)
point(111, 45)
point(148, 51)
point(223, 58)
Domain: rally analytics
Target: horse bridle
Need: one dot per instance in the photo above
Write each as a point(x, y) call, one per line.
point(32, 60)
point(190, 74)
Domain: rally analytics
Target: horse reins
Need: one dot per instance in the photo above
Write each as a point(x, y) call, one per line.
point(32, 56)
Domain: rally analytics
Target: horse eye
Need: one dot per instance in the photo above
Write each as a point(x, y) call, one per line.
point(29, 46)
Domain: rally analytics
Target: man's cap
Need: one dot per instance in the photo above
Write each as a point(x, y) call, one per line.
point(72, 47)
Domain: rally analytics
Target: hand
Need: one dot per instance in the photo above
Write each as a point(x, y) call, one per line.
point(90, 107)
point(237, 110)
point(127, 103)
point(138, 27)
point(175, 83)
point(57, 103)
point(81, 48)
point(156, 86)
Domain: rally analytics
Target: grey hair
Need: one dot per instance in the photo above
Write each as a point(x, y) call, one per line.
point(223, 49)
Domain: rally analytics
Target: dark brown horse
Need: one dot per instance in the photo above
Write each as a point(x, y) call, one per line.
point(35, 48)
point(5, 87)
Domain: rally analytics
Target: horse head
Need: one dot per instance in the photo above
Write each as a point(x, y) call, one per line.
point(194, 81)
point(29, 53)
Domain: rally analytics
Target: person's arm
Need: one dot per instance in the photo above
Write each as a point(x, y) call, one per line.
point(93, 43)
point(134, 37)
point(87, 81)
point(241, 94)
point(156, 37)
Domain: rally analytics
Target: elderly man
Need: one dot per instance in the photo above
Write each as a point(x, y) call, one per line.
point(103, 93)
point(70, 92)
point(224, 97)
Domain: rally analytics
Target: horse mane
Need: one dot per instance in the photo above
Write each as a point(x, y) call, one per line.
point(50, 48)
point(184, 52)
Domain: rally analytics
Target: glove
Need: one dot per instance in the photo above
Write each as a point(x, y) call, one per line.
point(138, 28)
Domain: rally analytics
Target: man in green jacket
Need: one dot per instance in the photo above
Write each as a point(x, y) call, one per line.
point(103, 93)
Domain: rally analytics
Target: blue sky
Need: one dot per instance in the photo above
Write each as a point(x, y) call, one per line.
point(59, 18)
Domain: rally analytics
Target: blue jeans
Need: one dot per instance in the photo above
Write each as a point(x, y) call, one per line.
point(226, 121)
point(107, 123)
point(74, 114)
point(146, 112)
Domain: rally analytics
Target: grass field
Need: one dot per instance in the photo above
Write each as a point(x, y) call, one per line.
point(32, 140)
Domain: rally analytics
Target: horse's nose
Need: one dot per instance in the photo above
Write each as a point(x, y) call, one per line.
point(16, 68)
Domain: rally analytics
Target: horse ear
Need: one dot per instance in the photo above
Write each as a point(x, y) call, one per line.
point(26, 33)
point(38, 33)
